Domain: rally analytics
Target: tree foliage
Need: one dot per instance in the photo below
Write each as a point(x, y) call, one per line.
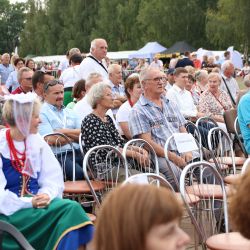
point(229, 24)
point(54, 26)
point(11, 24)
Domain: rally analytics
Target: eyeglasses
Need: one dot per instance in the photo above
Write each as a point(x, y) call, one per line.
point(156, 79)
point(52, 83)
point(28, 78)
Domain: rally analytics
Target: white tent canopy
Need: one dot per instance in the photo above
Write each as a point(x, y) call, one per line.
point(148, 51)
point(112, 55)
point(236, 56)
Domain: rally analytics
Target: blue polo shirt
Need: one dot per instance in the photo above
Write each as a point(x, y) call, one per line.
point(5, 70)
point(52, 119)
point(244, 119)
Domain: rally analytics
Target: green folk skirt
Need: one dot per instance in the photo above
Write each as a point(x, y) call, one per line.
point(45, 227)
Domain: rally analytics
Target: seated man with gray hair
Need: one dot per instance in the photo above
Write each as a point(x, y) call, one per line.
point(24, 77)
point(154, 118)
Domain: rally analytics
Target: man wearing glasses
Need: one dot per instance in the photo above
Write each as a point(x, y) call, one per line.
point(55, 118)
point(154, 118)
point(24, 77)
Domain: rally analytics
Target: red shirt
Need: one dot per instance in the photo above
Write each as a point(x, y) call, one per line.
point(197, 63)
point(17, 91)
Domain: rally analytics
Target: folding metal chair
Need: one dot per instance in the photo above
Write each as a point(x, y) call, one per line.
point(105, 165)
point(170, 146)
point(76, 190)
point(222, 151)
point(204, 124)
point(81, 144)
point(57, 142)
point(148, 178)
point(209, 215)
point(149, 164)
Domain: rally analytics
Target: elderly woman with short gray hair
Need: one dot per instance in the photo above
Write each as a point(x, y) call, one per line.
point(98, 127)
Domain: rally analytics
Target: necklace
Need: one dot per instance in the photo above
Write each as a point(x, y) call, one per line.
point(17, 158)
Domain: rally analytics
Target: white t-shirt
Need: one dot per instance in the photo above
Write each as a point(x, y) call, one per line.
point(89, 65)
point(122, 115)
point(70, 76)
point(157, 65)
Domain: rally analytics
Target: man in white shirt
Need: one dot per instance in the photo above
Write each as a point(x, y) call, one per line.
point(228, 82)
point(64, 64)
point(70, 76)
point(156, 64)
point(185, 102)
point(94, 62)
point(181, 96)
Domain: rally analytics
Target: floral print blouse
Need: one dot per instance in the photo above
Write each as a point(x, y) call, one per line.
point(210, 105)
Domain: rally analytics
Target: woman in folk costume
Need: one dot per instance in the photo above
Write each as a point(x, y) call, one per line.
point(31, 184)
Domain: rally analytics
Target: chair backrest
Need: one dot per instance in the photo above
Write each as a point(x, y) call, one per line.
point(81, 143)
point(239, 136)
point(192, 129)
point(140, 147)
point(209, 215)
point(57, 142)
point(17, 235)
point(204, 124)
point(221, 147)
point(106, 164)
point(206, 119)
point(170, 146)
point(148, 178)
point(229, 118)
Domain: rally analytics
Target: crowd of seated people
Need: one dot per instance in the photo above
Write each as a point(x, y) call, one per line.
point(106, 110)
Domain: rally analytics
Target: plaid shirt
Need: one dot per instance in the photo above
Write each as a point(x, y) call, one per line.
point(147, 117)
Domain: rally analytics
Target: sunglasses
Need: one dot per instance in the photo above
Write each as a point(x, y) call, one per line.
point(52, 83)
